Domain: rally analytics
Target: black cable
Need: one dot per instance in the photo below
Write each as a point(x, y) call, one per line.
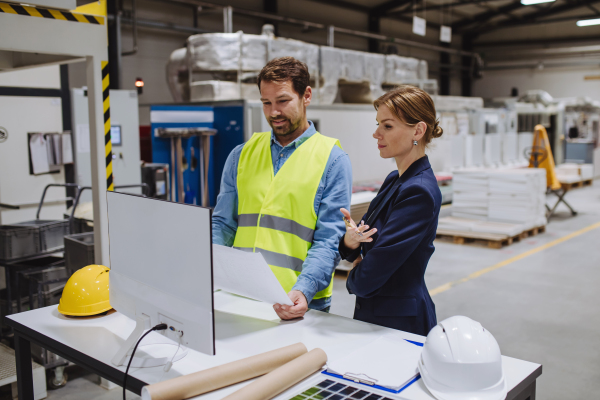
point(159, 327)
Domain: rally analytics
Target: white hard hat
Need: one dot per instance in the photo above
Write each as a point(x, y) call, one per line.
point(462, 360)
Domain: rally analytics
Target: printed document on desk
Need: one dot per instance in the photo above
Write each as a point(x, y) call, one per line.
point(389, 362)
point(246, 274)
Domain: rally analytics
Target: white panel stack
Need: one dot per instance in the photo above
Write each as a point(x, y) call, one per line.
point(515, 197)
point(570, 172)
point(518, 196)
point(470, 198)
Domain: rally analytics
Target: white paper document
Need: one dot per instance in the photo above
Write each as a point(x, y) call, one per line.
point(67, 148)
point(246, 274)
point(39, 154)
point(389, 361)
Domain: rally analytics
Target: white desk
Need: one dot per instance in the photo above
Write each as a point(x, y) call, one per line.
point(255, 328)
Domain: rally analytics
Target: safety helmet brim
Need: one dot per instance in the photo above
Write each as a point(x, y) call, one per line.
point(443, 392)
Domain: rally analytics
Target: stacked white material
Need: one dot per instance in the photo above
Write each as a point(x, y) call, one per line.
point(510, 148)
point(525, 140)
point(222, 90)
point(470, 194)
point(353, 67)
point(518, 196)
point(215, 51)
point(575, 172)
point(361, 73)
point(457, 103)
point(401, 69)
point(515, 197)
point(177, 77)
point(305, 52)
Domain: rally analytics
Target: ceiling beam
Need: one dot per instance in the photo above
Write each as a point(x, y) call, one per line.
point(429, 7)
point(388, 6)
point(345, 4)
point(483, 17)
point(537, 16)
point(494, 44)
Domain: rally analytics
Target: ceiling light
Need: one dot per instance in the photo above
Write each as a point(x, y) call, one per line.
point(588, 22)
point(530, 2)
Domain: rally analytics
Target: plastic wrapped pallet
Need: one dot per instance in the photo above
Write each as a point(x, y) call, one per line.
point(514, 196)
point(214, 90)
point(331, 60)
point(456, 103)
point(222, 90)
point(177, 75)
point(214, 51)
point(400, 69)
point(305, 52)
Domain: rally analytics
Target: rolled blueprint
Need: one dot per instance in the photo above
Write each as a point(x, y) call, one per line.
point(284, 377)
point(215, 378)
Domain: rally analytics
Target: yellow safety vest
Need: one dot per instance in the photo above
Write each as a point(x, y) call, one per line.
point(276, 214)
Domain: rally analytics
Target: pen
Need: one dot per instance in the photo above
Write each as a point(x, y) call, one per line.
point(348, 224)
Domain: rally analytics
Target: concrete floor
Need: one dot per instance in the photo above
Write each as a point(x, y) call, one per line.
point(540, 308)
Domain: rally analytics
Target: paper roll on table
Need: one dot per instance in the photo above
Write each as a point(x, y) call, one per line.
point(221, 376)
point(284, 377)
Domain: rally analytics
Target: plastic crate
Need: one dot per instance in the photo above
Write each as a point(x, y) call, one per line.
point(46, 274)
point(79, 251)
point(18, 242)
point(51, 233)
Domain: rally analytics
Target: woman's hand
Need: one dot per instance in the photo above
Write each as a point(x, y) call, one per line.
point(355, 235)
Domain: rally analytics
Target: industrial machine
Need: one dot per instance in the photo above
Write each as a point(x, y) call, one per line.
point(124, 121)
point(582, 128)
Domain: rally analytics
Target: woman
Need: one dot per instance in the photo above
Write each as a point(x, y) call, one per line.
point(391, 258)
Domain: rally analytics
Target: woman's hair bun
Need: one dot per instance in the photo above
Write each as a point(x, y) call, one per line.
point(437, 130)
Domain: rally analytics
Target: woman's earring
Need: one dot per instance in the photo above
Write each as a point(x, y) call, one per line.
point(415, 142)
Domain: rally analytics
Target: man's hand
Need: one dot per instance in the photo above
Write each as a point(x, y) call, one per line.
point(297, 310)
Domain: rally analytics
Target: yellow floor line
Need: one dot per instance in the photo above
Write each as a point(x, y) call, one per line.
point(476, 274)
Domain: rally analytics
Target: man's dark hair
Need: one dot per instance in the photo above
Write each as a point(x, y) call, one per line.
point(286, 69)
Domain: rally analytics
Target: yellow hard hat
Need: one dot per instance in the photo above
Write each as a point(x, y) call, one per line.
point(86, 292)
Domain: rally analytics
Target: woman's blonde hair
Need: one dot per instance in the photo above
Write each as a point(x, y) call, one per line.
point(412, 105)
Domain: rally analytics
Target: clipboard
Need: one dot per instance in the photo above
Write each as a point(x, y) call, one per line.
point(416, 378)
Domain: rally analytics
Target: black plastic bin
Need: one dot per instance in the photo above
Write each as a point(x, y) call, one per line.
point(51, 233)
point(18, 242)
point(79, 251)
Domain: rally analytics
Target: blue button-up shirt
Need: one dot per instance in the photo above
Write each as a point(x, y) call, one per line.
point(334, 192)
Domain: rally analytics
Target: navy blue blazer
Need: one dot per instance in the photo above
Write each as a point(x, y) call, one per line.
point(389, 282)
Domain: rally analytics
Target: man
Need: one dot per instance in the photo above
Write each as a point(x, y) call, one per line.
point(282, 190)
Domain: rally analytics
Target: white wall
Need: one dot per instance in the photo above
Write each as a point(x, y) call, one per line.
point(20, 115)
point(559, 82)
point(41, 77)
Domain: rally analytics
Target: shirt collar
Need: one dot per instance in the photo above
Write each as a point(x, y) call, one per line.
point(300, 139)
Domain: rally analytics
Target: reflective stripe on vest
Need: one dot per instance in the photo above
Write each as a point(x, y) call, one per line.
point(276, 215)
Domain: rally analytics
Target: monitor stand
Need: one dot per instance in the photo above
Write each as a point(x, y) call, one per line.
point(124, 353)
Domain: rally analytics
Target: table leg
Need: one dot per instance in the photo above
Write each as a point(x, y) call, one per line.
point(24, 367)
point(8, 291)
point(18, 284)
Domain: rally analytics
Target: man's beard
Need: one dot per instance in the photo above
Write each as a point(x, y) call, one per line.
point(286, 129)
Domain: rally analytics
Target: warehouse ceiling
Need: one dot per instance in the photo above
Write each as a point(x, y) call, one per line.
point(476, 17)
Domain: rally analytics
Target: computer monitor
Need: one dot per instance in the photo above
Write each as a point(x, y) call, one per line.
point(161, 269)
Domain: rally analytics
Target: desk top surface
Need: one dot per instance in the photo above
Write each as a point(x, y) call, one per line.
point(242, 328)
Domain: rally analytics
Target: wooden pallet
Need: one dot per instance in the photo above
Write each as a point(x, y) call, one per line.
point(577, 184)
point(492, 240)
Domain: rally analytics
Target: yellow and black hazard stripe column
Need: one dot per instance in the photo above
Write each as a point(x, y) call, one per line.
point(107, 142)
point(50, 14)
